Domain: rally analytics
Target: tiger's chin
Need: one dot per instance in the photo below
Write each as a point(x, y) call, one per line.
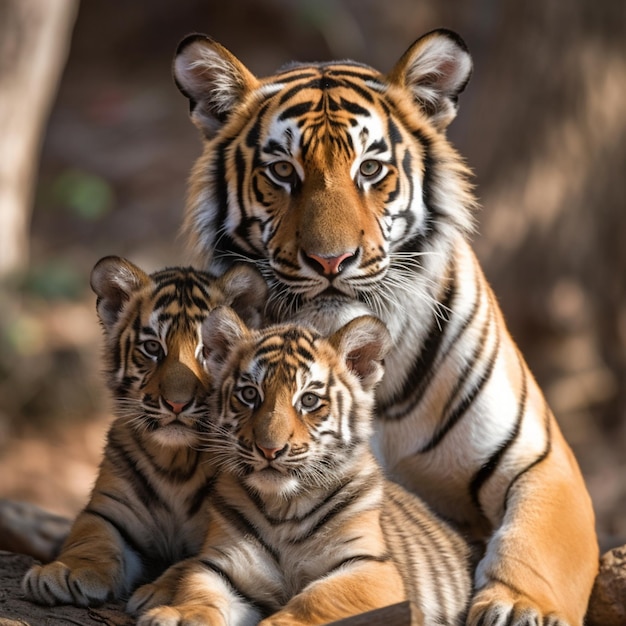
point(270, 482)
point(175, 435)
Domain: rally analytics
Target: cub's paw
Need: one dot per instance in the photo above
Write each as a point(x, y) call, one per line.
point(182, 615)
point(56, 583)
point(149, 596)
point(497, 605)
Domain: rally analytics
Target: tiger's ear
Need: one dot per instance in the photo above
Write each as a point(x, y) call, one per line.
point(114, 280)
point(221, 330)
point(245, 291)
point(435, 69)
point(363, 344)
point(213, 79)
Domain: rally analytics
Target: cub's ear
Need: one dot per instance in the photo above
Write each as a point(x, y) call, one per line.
point(114, 280)
point(435, 69)
point(363, 344)
point(213, 79)
point(245, 291)
point(221, 331)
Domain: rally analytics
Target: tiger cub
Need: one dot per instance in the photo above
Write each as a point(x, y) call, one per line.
point(304, 528)
point(145, 510)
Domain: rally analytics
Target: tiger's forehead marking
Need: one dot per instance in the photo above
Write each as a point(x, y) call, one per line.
point(179, 302)
point(286, 356)
point(321, 109)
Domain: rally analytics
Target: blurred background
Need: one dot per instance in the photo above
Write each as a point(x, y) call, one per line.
point(96, 147)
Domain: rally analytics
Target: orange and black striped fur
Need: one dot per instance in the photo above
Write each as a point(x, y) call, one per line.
point(303, 526)
point(339, 183)
point(146, 508)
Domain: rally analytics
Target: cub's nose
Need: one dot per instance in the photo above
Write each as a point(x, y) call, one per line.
point(176, 407)
point(272, 453)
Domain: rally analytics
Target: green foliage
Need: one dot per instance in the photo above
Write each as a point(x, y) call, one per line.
point(83, 194)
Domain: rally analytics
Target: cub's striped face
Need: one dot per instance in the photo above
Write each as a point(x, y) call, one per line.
point(292, 404)
point(154, 351)
point(328, 175)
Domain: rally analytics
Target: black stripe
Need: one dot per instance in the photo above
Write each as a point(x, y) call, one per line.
point(253, 135)
point(305, 355)
point(471, 318)
point(335, 510)
point(218, 165)
point(356, 109)
point(537, 461)
point(385, 558)
point(428, 182)
point(485, 472)
point(169, 472)
point(429, 544)
point(201, 495)
point(263, 607)
point(237, 519)
point(466, 402)
point(400, 529)
point(295, 110)
point(140, 484)
point(259, 503)
point(422, 371)
point(128, 539)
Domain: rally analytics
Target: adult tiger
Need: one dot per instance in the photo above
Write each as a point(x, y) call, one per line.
point(339, 183)
point(146, 510)
point(303, 527)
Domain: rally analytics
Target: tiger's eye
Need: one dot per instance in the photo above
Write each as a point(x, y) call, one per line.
point(152, 348)
point(249, 395)
point(370, 168)
point(309, 400)
point(283, 170)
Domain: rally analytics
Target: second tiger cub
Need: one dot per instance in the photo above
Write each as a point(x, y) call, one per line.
point(146, 508)
point(303, 526)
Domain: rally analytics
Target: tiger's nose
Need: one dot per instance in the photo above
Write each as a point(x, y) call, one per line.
point(272, 453)
point(176, 407)
point(329, 265)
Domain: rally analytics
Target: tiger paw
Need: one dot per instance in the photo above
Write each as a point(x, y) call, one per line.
point(498, 605)
point(56, 583)
point(183, 615)
point(281, 619)
point(149, 596)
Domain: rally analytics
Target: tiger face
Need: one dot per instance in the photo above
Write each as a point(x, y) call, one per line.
point(153, 351)
point(292, 404)
point(328, 175)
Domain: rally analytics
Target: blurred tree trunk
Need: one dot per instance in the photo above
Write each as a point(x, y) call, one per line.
point(34, 42)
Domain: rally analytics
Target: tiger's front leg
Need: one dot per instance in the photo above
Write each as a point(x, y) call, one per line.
point(94, 566)
point(159, 592)
point(361, 587)
point(189, 594)
point(541, 562)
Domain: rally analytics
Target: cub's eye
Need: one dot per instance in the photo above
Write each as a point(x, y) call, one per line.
point(249, 395)
point(152, 348)
point(370, 168)
point(310, 401)
point(283, 170)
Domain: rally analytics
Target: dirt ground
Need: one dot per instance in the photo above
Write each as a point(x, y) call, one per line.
point(542, 124)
